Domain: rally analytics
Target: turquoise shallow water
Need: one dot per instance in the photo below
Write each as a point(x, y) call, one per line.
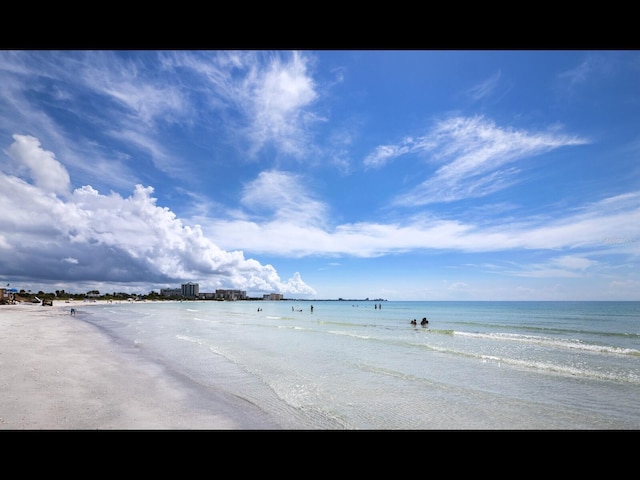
point(351, 365)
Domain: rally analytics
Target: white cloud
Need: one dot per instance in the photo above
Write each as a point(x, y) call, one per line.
point(290, 223)
point(564, 266)
point(285, 196)
point(474, 153)
point(272, 92)
point(46, 172)
point(574, 263)
point(484, 89)
point(278, 98)
point(112, 238)
point(383, 154)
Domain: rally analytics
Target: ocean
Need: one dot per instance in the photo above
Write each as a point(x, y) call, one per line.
point(350, 365)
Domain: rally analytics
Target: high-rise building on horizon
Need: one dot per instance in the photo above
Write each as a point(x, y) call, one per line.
point(190, 290)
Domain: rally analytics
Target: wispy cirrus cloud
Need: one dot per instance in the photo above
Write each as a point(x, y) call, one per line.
point(271, 93)
point(259, 98)
point(486, 88)
point(474, 154)
point(565, 266)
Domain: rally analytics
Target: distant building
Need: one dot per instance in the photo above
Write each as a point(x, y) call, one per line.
point(272, 296)
point(170, 292)
point(190, 290)
point(222, 294)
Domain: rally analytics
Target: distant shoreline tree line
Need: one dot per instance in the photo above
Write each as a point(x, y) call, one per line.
point(96, 295)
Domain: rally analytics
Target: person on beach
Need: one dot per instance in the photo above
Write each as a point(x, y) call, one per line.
point(311, 308)
point(413, 322)
point(73, 312)
point(424, 322)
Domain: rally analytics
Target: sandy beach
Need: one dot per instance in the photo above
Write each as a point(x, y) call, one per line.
point(58, 372)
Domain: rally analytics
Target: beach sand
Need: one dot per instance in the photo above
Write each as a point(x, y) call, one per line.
point(58, 372)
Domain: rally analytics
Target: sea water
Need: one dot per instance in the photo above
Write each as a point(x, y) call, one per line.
point(363, 365)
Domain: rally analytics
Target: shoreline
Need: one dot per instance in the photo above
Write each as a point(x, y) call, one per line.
point(58, 372)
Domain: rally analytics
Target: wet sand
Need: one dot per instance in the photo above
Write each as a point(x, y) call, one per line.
point(58, 372)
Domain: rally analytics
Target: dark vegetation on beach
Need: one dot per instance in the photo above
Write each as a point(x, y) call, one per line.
point(27, 296)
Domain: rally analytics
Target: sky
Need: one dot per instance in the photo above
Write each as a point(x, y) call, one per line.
point(381, 174)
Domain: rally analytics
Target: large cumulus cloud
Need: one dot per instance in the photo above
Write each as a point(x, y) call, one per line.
point(52, 234)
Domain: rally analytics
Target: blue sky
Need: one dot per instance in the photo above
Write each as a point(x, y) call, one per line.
point(403, 175)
